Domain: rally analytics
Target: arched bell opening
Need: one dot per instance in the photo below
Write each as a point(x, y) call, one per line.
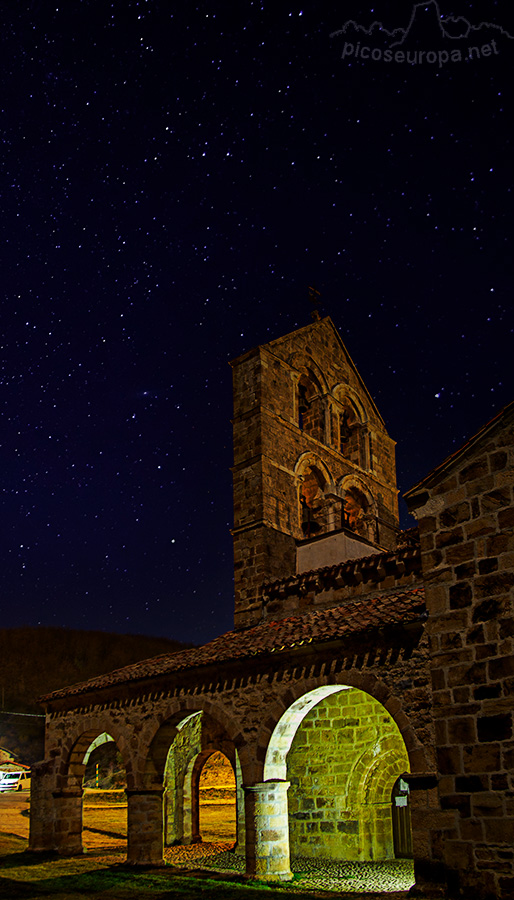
point(310, 406)
point(359, 509)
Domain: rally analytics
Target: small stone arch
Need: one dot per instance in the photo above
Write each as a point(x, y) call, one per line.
point(359, 507)
point(72, 765)
point(306, 365)
point(191, 794)
point(310, 398)
point(318, 509)
point(371, 783)
point(349, 427)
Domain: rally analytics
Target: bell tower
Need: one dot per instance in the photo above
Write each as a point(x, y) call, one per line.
point(314, 468)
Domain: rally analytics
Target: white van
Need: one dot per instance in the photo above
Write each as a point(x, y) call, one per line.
point(15, 781)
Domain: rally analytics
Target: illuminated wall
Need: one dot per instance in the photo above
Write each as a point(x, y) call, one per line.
point(342, 765)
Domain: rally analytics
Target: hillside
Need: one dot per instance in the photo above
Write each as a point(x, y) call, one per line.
point(35, 661)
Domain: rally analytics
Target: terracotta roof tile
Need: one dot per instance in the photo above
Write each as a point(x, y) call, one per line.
point(318, 626)
point(376, 565)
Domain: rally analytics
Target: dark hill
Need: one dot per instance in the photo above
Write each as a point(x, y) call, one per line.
point(35, 661)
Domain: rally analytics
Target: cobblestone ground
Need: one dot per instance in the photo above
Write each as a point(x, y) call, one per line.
point(327, 875)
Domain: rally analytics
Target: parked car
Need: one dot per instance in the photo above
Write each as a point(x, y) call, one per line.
point(15, 781)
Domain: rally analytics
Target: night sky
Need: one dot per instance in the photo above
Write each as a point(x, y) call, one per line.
point(173, 178)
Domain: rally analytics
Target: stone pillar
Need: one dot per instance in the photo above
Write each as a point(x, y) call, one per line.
point(67, 805)
point(267, 831)
point(42, 812)
point(145, 828)
point(240, 817)
point(191, 821)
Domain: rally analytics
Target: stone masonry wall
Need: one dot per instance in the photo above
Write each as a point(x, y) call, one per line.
point(466, 519)
point(343, 762)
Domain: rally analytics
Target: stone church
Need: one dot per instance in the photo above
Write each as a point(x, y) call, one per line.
point(365, 696)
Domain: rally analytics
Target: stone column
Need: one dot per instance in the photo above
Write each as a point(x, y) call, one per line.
point(267, 831)
point(145, 844)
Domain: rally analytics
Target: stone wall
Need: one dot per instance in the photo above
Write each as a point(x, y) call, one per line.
point(342, 765)
point(466, 518)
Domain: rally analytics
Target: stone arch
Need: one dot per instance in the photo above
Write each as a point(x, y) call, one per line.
point(65, 825)
point(310, 404)
point(316, 495)
point(349, 426)
point(359, 507)
point(306, 365)
point(370, 781)
point(191, 795)
point(275, 765)
point(343, 392)
point(161, 732)
point(369, 683)
point(180, 744)
point(72, 765)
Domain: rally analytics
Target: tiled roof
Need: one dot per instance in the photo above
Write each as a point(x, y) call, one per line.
point(374, 568)
point(366, 614)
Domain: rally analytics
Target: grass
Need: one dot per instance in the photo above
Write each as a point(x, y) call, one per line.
point(33, 876)
point(103, 876)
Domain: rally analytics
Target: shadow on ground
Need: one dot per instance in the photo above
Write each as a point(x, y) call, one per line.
point(99, 876)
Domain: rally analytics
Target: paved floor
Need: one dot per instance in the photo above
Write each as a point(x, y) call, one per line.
point(393, 875)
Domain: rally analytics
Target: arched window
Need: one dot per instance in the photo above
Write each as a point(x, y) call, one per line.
point(311, 417)
point(351, 435)
point(312, 502)
point(355, 506)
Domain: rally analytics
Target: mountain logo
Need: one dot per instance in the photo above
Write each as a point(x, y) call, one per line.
point(429, 37)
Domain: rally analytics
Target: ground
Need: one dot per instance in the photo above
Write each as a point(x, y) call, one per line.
point(101, 875)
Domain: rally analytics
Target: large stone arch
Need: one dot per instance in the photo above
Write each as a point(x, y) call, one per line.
point(419, 757)
point(177, 745)
point(163, 729)
point(275, 740)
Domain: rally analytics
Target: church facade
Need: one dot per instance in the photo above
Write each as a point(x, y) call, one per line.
point(364, 697)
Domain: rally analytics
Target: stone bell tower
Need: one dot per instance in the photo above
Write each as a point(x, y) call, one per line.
point(314, 468)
